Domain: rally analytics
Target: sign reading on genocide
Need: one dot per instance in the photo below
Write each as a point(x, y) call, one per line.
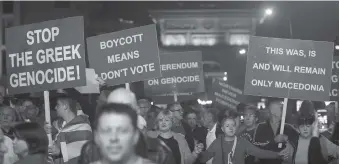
point(334, 93)
point(225, 94)
point(46, 56)
point(125, 56)
point(182, 72)
point(288, 68)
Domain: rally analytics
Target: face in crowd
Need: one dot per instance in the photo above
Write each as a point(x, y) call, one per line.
point(207, 119)
point(116, 139)
point(191, 119)
point(177, 112)
point(229, 127)
point(249, 117)
point(275, 110)
point(164, 121)
point(7, 115)
point(144, 106)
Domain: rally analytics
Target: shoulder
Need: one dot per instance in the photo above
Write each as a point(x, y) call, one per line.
point(178, 136)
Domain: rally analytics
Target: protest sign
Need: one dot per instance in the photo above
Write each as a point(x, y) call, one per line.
point(182, 72)
point(46, 56)
point(226, 95)
point(289, 68)
point(334, 93)
point(169, 97)
point(92, 85)
point(125, 56)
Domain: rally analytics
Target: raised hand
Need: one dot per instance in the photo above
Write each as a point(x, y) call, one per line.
point(198, 148)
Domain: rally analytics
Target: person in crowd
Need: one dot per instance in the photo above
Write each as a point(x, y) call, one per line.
point(176, 141)
point(152, 117)
point(308, 128)
point(117, 139)
point(7, 155)
point(194, 133)
point(178, 124)
point(230, 149)
point(7, 120)
point(144, 105)
point(75, 132)
point(250, 115)
point(30, 143)
point(332, 132)
point(210, 121)
point(267, 133)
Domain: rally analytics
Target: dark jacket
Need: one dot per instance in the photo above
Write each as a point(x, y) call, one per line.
point(34, 159)
point(264, 138)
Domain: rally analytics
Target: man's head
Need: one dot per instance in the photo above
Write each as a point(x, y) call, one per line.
point(250, 115)
point(66, 106)
point(275, 107)
point(29, 109)
point(176, 110)
point(209, 117)
point(190, 117)
point(123, 96)
point(7, 115)
point(144, 106)
point(116, 139)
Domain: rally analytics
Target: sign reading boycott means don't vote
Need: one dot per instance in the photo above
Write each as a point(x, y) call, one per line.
point(46, 56)
point(125, 56)
point(288, 68)
point(181, 72)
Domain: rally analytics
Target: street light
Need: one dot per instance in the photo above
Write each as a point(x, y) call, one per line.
point(242, 51)
point(268, 12)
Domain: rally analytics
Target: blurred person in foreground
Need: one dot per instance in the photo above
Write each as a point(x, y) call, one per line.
point(117, 139)
point(30, 144)
point(73, 134)
point(147, 147)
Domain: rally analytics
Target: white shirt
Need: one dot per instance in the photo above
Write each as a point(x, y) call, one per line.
point(141, 123)
point(211, 136)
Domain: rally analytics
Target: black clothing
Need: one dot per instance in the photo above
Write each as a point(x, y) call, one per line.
point(173, 144)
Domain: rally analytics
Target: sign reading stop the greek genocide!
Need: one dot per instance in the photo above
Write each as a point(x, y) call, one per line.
point(125, 56)
point(182, 73)
point(334, 93)
point(46, 56)
point(289, 68)
point(225, 94)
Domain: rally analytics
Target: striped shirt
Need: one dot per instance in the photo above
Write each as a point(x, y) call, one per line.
point(71, 138)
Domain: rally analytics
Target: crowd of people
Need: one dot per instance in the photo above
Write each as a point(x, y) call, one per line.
point(127, 130)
